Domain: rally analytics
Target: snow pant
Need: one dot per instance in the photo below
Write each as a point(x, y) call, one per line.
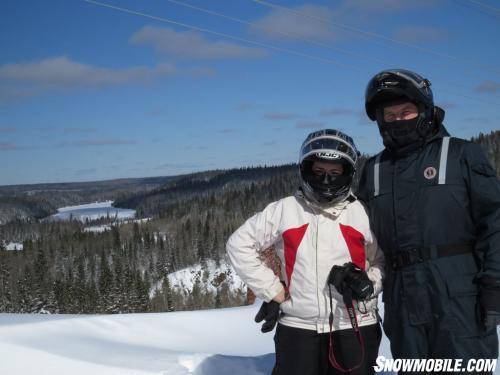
point(430, 311)
point(305, 352)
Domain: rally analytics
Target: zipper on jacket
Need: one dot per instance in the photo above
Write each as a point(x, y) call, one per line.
point(394, 212)
point(317, 270)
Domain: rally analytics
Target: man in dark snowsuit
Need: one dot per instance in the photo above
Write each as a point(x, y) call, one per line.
point(434, 206)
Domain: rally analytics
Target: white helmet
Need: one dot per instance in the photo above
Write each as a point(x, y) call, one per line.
point(333, 146)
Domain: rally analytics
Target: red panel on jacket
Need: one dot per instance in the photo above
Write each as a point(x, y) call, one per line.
point(356, 244)
point(292, 238)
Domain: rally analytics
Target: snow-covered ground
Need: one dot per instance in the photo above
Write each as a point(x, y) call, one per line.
point(97, 228)
point(210, 278)
point(93, 211)
point(13, 246)
point(209, 275)
point(210, 342)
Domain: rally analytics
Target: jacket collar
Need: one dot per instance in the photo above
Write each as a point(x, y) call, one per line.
point(417, 147)
point(333, 210)
point(441, 133)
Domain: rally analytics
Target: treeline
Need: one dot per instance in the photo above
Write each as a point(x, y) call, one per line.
point(491, 145)
point(24, 207)
point(201, 184)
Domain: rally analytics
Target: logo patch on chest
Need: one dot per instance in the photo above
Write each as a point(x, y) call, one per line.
point(430, 173)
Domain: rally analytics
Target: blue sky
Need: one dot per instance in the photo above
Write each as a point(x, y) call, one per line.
point(89, 92)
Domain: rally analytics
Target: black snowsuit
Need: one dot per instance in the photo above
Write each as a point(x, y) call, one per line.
point(436, 215)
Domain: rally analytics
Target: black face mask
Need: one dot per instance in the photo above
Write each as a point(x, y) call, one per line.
point(404, 135)
point(399, 134)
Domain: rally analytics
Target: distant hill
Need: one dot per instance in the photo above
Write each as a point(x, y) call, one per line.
point(203, 184)
point(149, 195)
point(40, 200)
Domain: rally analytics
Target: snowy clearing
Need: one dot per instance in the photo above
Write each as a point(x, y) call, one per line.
point(97, 228)
point(14, 246)
point(208, 275)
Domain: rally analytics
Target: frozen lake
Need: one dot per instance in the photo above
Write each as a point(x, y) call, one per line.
point(93, 211)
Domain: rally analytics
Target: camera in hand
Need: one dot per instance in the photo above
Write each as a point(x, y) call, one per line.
point(350, 278)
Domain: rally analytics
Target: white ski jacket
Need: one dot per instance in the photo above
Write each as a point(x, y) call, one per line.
point(308, 240)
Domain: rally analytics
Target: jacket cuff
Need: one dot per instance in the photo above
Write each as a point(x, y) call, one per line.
point(377, 284)
point(272, 292)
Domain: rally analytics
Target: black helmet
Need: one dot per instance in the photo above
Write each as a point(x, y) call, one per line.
point(396, 86)
point(327, 145)
point(392, 85)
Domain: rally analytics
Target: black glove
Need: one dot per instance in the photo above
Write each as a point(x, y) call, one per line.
point(489, 302)
point(349, 278)
point(270, 312)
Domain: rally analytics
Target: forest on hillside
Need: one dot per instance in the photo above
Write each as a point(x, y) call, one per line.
point(63, 269)
point(490, 143)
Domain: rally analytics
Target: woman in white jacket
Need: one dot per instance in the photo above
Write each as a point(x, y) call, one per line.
point(325, 301)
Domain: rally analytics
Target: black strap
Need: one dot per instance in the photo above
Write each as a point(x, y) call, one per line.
point(347, 297)
point(408, 257)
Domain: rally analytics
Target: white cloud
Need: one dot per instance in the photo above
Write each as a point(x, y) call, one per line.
point(269, 143)
point(5, 146)
point(281, 24)
point(62, 72)
point(242, 107)
point(332, 23)
point(421, 34)
point(154, 112)
point(191, 44)
point(280, 116)
point(95, 142)
point(363, 118)
point(488, 87)
point(79, 130)
point(447, 105)
point(388, 6)
point(478, 120)
point(7, 129)
point(227, 130)
point(338, 112)
point(310, 125)
point(56, 73)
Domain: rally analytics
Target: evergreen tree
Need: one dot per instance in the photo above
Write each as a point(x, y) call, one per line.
point(115, 231)
point(105, 286)
point(6, 303)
